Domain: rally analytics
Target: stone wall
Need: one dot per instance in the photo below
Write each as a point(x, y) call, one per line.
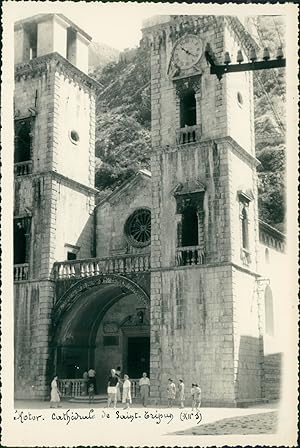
point(32, 319)
point(111, 217)
point(195, 329)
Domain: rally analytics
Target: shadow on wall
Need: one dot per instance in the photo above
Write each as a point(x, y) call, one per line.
point(249, 372)
point(272, 376)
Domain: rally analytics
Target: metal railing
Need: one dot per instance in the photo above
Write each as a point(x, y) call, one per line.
point(94, 266)
point(190, 255)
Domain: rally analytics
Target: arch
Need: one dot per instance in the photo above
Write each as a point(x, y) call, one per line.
point(269, 312)
point(70, 297)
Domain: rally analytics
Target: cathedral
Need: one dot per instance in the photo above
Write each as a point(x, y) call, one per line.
point(173, 274)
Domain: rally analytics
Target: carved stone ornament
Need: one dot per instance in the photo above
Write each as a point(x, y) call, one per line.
point(110, 327)
point(54, 62)
point(184, 84)
point(70, 297)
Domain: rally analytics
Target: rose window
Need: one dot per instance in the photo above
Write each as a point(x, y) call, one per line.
point(138, 228)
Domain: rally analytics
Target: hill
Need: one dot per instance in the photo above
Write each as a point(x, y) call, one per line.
point(123, 122)
point(100, 55)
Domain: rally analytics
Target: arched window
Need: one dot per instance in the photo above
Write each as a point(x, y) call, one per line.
point(188, 109)
point(245, 233)
point(269, 312)
point(189, 227)
point(19, 243)
point(22, 140)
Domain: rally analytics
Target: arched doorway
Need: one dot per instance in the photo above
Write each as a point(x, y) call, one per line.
point(102, 322)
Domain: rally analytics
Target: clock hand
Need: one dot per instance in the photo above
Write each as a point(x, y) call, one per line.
point(188, 52)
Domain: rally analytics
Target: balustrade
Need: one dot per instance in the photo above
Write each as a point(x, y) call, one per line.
point(21, 272)
point(23, 168)
point(188, 134)
point(190, 255)
point(72, 387)
point(95, 266)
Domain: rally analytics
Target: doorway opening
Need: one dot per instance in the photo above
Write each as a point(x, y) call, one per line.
point(138, 356)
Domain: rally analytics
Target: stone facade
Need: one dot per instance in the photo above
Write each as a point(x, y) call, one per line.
point(215, 303)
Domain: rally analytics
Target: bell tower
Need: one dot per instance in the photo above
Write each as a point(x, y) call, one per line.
point(204, 317)
point(54, 108)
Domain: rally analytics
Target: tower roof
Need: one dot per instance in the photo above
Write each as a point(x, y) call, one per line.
point(38, 18)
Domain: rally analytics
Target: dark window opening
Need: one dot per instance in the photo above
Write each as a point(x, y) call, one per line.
point(245, 233)
point(188, 109)
point(189, 227)
point(20, 255)
point(32, 40)
point(269, 313)
point(22, 140)
point(71, 45)
point(71, 256)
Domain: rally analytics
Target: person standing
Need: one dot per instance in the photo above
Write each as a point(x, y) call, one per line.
point(55, 394)
point(197, 396)
point(85, 376)
point(92, 378)
point(126, 399)
point(193, 393)
point(119, 385)
point(112, 389)
point(181, 393)
point(171, 392)
point(144, 384)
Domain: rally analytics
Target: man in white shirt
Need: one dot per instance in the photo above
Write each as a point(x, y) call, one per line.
point(144, 384)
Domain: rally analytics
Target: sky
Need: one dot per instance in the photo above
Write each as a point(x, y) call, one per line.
point(117, 24)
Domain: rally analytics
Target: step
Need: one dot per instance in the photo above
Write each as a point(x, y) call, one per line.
point(85, 399)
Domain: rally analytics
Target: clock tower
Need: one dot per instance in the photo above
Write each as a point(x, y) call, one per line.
point(204, 312)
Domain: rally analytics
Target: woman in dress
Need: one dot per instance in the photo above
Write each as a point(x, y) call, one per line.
point(55, 394)
point(171, 391)
point(119, 385)
point(126, 399)
point(181, 393)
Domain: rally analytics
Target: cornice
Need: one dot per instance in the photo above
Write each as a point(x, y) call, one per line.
point(54, 62)
point(60, 178)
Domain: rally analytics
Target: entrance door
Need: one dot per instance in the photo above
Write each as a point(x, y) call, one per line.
point(138, 360)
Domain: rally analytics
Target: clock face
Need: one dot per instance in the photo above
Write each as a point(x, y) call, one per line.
point(187, 51)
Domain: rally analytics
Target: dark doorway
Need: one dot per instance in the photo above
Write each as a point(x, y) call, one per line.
point(138, 360)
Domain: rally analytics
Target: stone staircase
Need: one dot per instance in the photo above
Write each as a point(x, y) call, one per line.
point(272, 376)
point(85, 399)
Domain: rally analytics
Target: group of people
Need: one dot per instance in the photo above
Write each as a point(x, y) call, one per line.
point(171, 393)
point(119, 389)
point(117, 386)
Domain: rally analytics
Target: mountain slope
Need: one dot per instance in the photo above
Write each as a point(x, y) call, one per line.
point(124, 119)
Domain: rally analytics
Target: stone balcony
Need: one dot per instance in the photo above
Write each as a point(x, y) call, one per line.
point(188, 134)
point(190, 255)
point(123, 264)
point(21, 272)
point(23, 168)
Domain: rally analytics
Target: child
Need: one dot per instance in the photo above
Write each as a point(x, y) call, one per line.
point(181, 393)
point(197, 396)
point(91, 392)
point(126, 392)
point(171, 392)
